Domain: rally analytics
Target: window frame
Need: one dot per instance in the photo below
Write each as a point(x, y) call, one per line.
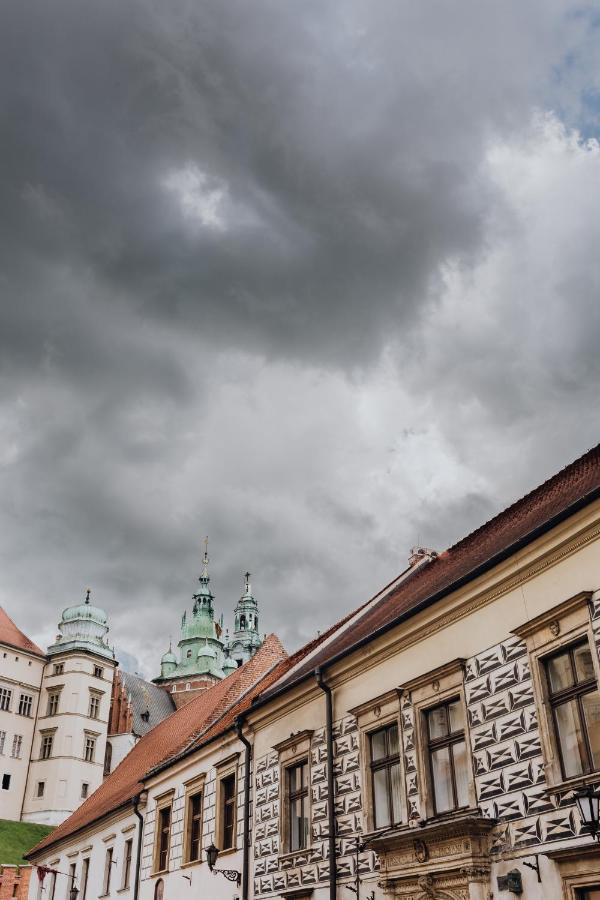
point(126, 868)
point(446, 741)
point(6, 695)
point(17, 747)
point(85, 874)
point(164, 803)
point(545, 636)
point(575, 692)
point(224, 770)
point(193, 788)
point(428, 691)
point(302, 794)
point(386, 763)
point(25, 705)
point(89, 752)
point(53, 695)
point(107, 877)
point(94, 705)
point(292, 751)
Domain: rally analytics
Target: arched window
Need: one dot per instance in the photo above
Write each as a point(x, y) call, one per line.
point(242, 622)
point(189, 654)
point(188, 686)
point(174, 688)
point(159, 889)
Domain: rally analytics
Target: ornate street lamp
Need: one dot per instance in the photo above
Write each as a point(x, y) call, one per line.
point(588, 804)
point(74, 892)
point(212, 854)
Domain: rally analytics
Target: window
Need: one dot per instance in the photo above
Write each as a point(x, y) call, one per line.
point(85, 873)
point(52, 886)
point(58, 668)
point(447, 753)
point(98, 671)
point(126, 864)
point(297, 800)
point(71, 880)
point(2, 740)
point(227, 805)
point(94, 708)
point(85, 789)
point(385, 775)
point(46, 749)
point(188, 654)
point(5, 695)
point(25, 703)
point(41, 785)
point(53, 701)
point(575, 703)
point(163, 838)
point(89, 748)
point(5, 782)
point(108, 863)
point(108, 758)
point(159, 889)
point(17, 746)
point(193, 827)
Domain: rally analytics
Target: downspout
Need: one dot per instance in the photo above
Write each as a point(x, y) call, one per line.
point(139, 798)
point(246, 847)
point(330, 783)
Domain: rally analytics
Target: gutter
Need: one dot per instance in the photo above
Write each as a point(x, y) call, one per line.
point(239, 723)
point(139, 798)
point(443, 592)
point(330, 783)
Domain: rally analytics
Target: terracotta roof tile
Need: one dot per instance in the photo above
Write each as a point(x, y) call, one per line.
point(171, 736)
point(14, 637)
point(575, 484)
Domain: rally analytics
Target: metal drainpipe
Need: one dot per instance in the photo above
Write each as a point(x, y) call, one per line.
point(330, 783)
point(138, 865)
point(246, 847)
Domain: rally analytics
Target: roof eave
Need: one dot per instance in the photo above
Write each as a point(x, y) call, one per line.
point(481, 569)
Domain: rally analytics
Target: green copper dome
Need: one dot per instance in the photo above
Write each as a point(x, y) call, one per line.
point(169, 657)
point(83, 628)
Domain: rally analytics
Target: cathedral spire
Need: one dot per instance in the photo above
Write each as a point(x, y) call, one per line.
point(205, 561)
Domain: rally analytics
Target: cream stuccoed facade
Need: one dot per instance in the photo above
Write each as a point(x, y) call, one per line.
point(429, 747)
point(21, 669)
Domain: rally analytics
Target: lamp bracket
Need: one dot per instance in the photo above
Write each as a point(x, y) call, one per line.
point(535, 866)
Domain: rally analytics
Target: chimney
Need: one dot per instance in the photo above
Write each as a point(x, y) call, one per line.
point(419, 555)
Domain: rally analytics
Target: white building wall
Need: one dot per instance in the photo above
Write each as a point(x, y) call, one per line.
point(20, 673)
point(66, 772)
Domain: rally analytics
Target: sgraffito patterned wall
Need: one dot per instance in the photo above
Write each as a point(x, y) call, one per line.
point(274, 873)
point(507, 754)
point(177, 821)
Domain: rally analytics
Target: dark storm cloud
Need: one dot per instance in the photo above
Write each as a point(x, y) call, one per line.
point(274, 271)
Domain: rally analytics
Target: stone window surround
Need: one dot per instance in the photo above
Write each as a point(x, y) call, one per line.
point(228, 766)
point(371, 716)
point(292, 751)
point(579, 868)
point(544, 636)
point(47, 732)
point(426, 692)
point(162, 801)
point(193, 786)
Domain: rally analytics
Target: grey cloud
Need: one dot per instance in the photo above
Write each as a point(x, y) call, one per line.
point(280, 363)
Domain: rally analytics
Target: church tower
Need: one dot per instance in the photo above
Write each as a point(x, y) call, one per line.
point(72, 719)
point(202, 658)
point(246, 638)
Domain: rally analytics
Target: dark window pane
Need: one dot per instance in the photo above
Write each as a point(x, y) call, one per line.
point(392, 733)
point(396, 792)
point(437, 722)
point(455, 714)
point(461, 773)
point(378, 747)
point(442, 779)
point(560, 672)
point(591, 711)
point(570, 738)
point(584, 667)
point(380, 798)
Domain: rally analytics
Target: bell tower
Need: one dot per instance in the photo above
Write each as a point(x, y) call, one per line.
point(246, 638)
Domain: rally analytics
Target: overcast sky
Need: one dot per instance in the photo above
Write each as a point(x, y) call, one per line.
point(318, 279)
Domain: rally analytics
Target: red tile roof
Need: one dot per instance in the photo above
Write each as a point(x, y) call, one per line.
point(172, 736)
point(572, 487)
point(12, 636)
